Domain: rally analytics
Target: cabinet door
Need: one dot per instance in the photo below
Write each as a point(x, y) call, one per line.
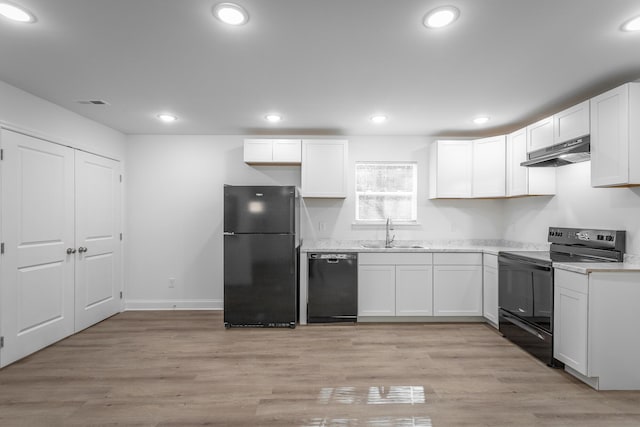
point(287, 151)
point(610, 138)
point(517, 176)
point(324, 166)
point(570, 327)
point(258, 150)
point(571, 123)
point(490, 294)
point(376, 290)
point(414, 290)
point(457, 290)
point(37, 274)
point(488, 167)
point(453, 169)
point(540, 134)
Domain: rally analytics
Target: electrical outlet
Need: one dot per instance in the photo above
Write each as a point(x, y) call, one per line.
point(172, 282)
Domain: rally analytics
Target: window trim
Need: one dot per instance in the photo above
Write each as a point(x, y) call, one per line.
point(414, 193)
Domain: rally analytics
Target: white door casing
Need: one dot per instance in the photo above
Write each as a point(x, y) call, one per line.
point(36, 294)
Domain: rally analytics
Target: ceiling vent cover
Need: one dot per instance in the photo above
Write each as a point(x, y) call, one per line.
point(92, 102)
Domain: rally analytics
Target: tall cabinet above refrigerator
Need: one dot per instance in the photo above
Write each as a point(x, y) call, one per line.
point(260, 256)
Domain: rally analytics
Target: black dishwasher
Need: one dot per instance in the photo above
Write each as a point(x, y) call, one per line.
point(333, 288)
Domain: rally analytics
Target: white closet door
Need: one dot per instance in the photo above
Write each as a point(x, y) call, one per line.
point(97, 239)
point(37, 227)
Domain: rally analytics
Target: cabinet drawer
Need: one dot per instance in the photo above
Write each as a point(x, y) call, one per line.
point(467, 258)
point(569, 280)
point(395, 258)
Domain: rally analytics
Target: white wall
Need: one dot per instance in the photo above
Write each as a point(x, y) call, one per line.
point(175, 212)
point(22, 111)
point(576, 204)
point(437, 219)
point(174, 199)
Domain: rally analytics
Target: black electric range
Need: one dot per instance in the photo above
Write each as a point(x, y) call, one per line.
point(525, 283)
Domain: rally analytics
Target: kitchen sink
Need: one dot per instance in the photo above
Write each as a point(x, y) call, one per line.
point(382, 246)
point(373, 245)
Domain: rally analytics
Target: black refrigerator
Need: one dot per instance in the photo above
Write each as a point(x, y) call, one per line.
point(260, 256)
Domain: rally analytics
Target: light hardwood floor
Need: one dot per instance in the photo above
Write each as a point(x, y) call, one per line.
point(182, 368)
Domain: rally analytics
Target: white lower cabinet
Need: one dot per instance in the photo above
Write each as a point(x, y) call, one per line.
point(414, 290)
point(421, 284)
point(376, 290)
point(595, 323)
point(490, 288)
point(457, 284)
point(570, 324)
point(395, 284)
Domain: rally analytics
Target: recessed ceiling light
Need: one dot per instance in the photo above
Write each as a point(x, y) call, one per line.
point(230, 13)
point(378, 119)
point(632, 24)
point(167, 118)
point(441, 17)
point(481, 120)
point(273, 118)
point(16, 13)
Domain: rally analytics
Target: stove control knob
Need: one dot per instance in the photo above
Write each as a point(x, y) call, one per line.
point(609, 238)
point(600, 237)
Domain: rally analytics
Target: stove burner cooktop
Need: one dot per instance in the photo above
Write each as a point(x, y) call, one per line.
point(577, 245)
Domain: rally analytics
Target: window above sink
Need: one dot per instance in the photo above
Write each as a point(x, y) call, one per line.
point(386, 190)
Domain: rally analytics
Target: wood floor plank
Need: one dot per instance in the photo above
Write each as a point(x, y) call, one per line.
point(182, 368)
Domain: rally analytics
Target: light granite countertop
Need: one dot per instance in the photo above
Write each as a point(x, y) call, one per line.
point(631, 264)
point(591, 267)
point(485, 246)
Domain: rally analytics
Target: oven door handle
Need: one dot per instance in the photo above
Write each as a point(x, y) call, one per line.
point(520, 263)
point(523, 325)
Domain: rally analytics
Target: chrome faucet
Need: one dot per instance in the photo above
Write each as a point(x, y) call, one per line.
point(388, 238)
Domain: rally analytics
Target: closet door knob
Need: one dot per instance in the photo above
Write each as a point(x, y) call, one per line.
point(70, 251)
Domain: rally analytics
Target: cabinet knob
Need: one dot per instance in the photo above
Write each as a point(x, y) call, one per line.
point(82, 249)
point(70, 251)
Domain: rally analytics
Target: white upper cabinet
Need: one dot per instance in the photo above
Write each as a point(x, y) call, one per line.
point(615, 137)
point(571, 123)
point(540, 134)
point(526, 181)
point(324, 168)
point(517, 176)
point(277, 151)
point(450, 169)
point(489, 167)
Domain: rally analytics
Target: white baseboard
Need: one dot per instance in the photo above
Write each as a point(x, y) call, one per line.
point(200, 304)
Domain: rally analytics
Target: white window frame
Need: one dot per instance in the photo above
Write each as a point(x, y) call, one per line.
point(413, 194)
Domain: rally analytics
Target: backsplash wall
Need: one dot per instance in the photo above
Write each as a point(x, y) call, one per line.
point(437, 219)
point(576, 204)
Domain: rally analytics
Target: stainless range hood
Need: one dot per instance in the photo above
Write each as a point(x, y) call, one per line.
point(577, 150)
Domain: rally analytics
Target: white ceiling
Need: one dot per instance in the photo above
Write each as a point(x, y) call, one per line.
point(325, 65)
